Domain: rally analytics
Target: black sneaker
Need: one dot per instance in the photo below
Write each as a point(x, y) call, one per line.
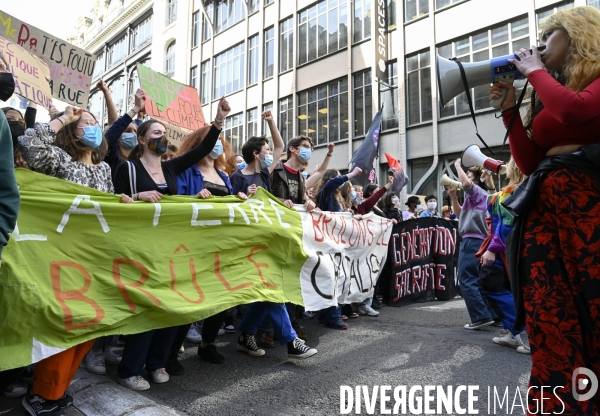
point(248, 343)
point(377, 303)
point(38, 406)
point(210, 354)
point(174, 367)
point(298, 349)
point(65, 401)
point(479, 324)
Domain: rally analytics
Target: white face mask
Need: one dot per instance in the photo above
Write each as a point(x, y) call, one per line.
point(432, 205)
point(394, 200)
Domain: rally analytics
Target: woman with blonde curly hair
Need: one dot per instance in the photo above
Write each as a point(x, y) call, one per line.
point(554, 249)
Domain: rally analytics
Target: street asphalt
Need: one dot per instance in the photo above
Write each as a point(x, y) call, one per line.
point(415, 345)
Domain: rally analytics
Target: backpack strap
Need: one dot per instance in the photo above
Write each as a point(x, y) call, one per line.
point(132, 178)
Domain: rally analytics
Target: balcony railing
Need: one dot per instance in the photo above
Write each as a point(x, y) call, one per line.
point(170, 19)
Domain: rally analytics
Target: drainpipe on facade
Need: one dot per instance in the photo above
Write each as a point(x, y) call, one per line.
point(351, 129)
point(434, 105)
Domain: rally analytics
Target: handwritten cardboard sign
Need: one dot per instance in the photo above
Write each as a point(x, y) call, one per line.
point(169, 100)
point(176, 135)
point(71, 68)
point(30, 73)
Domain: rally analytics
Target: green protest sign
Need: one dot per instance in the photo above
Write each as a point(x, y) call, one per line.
point(81, 265)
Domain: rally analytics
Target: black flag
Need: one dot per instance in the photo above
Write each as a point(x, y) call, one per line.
point(364, 156)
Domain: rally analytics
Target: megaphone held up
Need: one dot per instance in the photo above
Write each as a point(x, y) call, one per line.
point(446, 181)
point(477, 73)
point(472, 156)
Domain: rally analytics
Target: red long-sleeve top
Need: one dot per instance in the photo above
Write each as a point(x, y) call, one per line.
point(567, 118)
point(366, 205)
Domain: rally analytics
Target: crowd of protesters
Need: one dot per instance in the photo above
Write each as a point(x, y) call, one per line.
point(528, 254)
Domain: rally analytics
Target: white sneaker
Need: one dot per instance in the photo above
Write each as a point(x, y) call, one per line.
point(221, 332)
point(182, 348)
point(367, 310)
point(94, 362)
point(524, 349)
point(509, 340)
point(160, 376)
point(136, 383)
point(111, 357)
point(193, 336)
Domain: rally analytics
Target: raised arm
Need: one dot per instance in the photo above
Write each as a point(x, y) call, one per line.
point(277, 140)
point(189, 159)
point(462, 176)
point(318, 173)
point(30, 114)
point(455, 204)
point(368, 204)
point(110, 105)
point(37, 148)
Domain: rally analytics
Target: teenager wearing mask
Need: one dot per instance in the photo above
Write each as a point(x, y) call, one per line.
point(122, 134)
point(9, 199)
point(151, 179)
point(413, 205)
point(328, 198)
point(70, 147)
point(473, 230)
point(554, 248)
point(431, 208)
point(209, 177)
point(390, 209)
point(17, 125)
point(240, 163)
point(261, 164)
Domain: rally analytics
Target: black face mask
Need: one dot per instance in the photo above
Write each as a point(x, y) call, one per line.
point(7, 85)
point(16, 129)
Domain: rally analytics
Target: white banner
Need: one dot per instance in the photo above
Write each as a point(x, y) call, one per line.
point(346, 255)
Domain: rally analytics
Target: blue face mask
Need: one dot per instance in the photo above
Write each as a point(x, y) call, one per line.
point(242, 165)
point(217, 150)
point(305, 174)
point(304, 155)
point(353, 196)
point(266, 162)
point(129, 140)
point(92, 136)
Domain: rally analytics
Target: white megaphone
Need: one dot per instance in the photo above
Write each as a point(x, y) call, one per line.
point(472, 156)
point(477, 73)
point(446, 181)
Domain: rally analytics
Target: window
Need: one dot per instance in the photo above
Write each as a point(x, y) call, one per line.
point(253, 60)
point(322, 29)
point(205, 94)
point(252, 120)
point(265, 127)
point(141, 34)
point(117, 91)
point(234, 131)
point(170, 64)
point(228, 13)
point(269, 52)
point(286, 45)
point(362, 20)
point(594, 3)
point(171, 12)
point(388, 96)
point(99, 67)
point(286, 117)
point(229, 71)
point(117, 51)
point(491, 43)
point(195, 28)
point(363, 103)
point(323, 112)
point(95, 105)
point(267, 2)
point(391, 11)
point(194, 76)
point(443, 3)
point(416, 9)
point(543, 15)
point(134, 82)
point(253, 6)
point(418, 80)
point(206, 24)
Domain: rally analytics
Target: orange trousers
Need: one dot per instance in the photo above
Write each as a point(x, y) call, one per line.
point(52, 376)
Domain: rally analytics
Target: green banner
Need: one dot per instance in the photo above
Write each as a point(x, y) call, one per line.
point(81, 265)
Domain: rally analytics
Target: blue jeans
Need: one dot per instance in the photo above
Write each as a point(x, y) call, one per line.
point(267, 325)
point(258, 311)
point(468, 275)
point(150, 348)
point(504, 305)
point(331, 315)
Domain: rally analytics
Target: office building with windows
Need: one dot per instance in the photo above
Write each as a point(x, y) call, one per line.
point(312, 63)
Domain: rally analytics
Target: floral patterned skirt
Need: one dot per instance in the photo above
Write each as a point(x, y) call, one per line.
point(561, 262)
